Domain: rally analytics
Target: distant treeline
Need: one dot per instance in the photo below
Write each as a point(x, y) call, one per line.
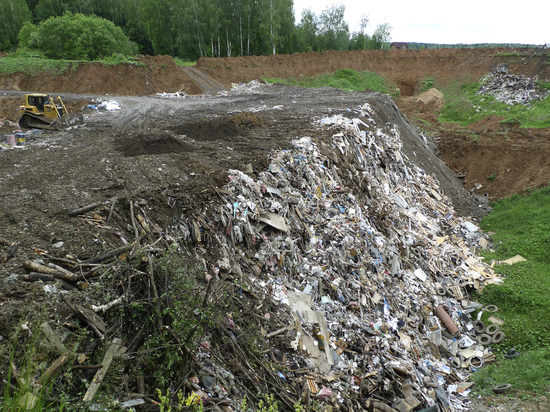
point(430, 46)
point(189, 29)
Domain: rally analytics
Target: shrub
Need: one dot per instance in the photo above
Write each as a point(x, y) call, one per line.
point(76, 37)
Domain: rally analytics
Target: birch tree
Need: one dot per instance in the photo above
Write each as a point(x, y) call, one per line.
point(13, 15)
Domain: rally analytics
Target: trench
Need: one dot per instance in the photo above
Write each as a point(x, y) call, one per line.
point(406, 88)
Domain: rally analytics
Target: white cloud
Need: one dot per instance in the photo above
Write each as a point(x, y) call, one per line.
point(430, 21)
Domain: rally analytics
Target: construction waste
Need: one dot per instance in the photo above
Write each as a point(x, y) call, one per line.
point(511, 88)
point(347, 271)
point(372, 266)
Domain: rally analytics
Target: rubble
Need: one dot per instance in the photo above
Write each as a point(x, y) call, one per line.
point(353, 265)
point(372, 261)
point(511, 88)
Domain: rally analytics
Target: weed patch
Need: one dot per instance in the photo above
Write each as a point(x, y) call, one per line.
point(465, 106)
point(492, 177)
point(181, 62)
point(344, 79)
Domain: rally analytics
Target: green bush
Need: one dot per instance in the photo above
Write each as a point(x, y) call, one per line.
point(76, 37)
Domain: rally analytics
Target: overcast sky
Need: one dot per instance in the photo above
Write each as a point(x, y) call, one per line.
point(430, 21)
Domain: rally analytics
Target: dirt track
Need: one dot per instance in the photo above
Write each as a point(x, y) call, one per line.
point(174, 148)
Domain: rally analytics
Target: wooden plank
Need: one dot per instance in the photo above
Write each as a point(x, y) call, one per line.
point(54, 368)
point(100, 374)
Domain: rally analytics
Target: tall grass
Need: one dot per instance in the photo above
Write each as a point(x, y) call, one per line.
point(344, 79)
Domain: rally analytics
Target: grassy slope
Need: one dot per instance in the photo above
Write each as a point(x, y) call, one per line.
point(32, 64)
point(344, 79)
point(464, 106)
point(521, 225)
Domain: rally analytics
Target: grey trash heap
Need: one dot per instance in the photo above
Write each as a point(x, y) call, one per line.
point(371, 263)
point(511, 88)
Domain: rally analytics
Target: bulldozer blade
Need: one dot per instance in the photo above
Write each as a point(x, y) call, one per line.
point(29, 121)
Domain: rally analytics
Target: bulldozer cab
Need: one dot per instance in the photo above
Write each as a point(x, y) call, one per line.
point(42, 104)
point(38, 101)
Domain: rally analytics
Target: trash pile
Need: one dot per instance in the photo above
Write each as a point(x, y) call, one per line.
point(100, 104)
point(176, 95)
point(252, 87)
point(344, 276)
point(511, 88)
point(370, 260)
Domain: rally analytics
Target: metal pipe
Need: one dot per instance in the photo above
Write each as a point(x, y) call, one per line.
point(446, 319)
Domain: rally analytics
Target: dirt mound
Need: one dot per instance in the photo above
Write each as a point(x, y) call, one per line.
point(150, 145)
point(432, 99)
point(246, 121)
point(489, 124)
point(160, 74)
point(210, 130)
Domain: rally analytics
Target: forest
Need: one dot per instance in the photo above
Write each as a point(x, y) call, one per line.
point(186, 29)
point(189, 29)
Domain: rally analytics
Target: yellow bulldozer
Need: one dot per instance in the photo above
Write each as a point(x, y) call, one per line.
point(40, 111)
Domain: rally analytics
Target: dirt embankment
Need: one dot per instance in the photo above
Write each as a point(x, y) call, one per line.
point(404, 67)
point(515, 156)
point(407, 68)
point(160, 74)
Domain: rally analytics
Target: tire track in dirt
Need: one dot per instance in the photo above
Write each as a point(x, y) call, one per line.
point(208, 84)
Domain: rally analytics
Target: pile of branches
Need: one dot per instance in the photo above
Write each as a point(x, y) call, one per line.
point(153, 308)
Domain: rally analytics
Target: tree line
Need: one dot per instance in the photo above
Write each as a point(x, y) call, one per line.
point(187, 29)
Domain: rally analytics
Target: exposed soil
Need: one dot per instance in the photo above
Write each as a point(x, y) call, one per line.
point(492, 159)
point(175, 153)
point(516, 156)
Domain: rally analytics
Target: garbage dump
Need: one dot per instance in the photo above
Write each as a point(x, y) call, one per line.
point(511, 88)
point(372, 263)
point(347, 266)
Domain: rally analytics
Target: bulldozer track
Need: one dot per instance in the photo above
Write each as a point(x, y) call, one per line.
point(205, 82)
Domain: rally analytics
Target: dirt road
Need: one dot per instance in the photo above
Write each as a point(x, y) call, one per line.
point(177, 148)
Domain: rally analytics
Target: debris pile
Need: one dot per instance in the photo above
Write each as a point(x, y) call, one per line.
point(252, 87)
point(344, 264)
point(511, 88)
point(372, 262)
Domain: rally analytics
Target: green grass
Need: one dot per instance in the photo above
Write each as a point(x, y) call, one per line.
point(117, 59)
point(427, 83)
point(520, 225)
point(529, 372)
point(344, 79)
point(33, 63)
point(464, 106)
point(181, 62)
